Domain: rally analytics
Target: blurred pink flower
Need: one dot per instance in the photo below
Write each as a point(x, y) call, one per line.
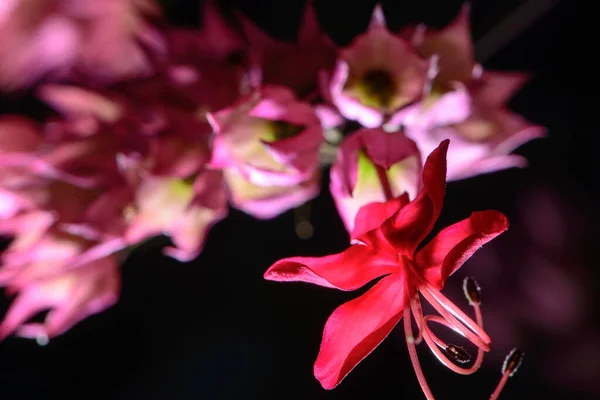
point(215, 41)
point(377, 76)
point(446, 99)
point(184, 209)
point(465, 104)
point(70, 296)
point(371, 163)
point(266, 202)
point(482, 143)
point(295, 65)
point(94, 39)
point(269, 137)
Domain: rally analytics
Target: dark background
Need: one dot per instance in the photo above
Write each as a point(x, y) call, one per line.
point(214, 329)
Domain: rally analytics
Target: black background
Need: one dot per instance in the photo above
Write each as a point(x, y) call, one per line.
point(214, 329)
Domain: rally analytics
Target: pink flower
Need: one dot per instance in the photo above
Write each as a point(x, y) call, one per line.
point(377, 75)
point(295, 65)
point(184, 209)
point(482, 143)
point(208, 66)
point(174, 194)
point(389, 245)
point(216, 41)
point(447, 99)
point(373, 165)
point(71, 296)
point(266, 202)
point(96, 39)
point(465, 104)
point(270, 138)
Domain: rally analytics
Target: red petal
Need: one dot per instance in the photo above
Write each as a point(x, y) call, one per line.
point(357, 327)
point(450, 248)
point(347, 270)
point(372, 215)
point(413, 222)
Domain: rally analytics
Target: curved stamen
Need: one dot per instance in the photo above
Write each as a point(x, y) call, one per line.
point(436, 345)
point(472, 336)
point(412, 351)
point(458, 313)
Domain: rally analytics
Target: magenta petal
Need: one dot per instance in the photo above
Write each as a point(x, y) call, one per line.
point(373, 215)
point(357, 327)
point(348, 270)
point(407, 229)
point(450, 248)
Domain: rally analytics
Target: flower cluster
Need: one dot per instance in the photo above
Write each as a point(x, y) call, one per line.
point(151, 129)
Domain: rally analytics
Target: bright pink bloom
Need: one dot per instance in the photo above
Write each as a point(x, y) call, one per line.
point(377, 76)
point(71, 296)
point(97, 39)
point(270, 138)
point(295, 65)
point(388, 244)
point(365, 160)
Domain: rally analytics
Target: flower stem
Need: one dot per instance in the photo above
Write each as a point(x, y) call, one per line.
point(385, 183)
point(412, 351)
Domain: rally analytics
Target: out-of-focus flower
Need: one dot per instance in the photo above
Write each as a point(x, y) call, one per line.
point(373, 166)
point(483, 142)
point(96, 39)
point(184, 209)
point(465, 104)
point(269, 137)
point(215, 41)
point(208, 66)
point(267, 202)
point(377, 76)
point(295, 65)
point(389, 246)
point(446, 99)
point(70, 296)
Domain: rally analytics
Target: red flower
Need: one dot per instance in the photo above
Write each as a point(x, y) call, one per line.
point(388, 240)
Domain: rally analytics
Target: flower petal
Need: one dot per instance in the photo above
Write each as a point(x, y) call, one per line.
point(450, 248)
point(348, 270)
point(372, 215)
point(356, 328)
point(413, 222)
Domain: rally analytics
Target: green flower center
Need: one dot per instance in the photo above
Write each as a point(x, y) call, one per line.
point(280, 130)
